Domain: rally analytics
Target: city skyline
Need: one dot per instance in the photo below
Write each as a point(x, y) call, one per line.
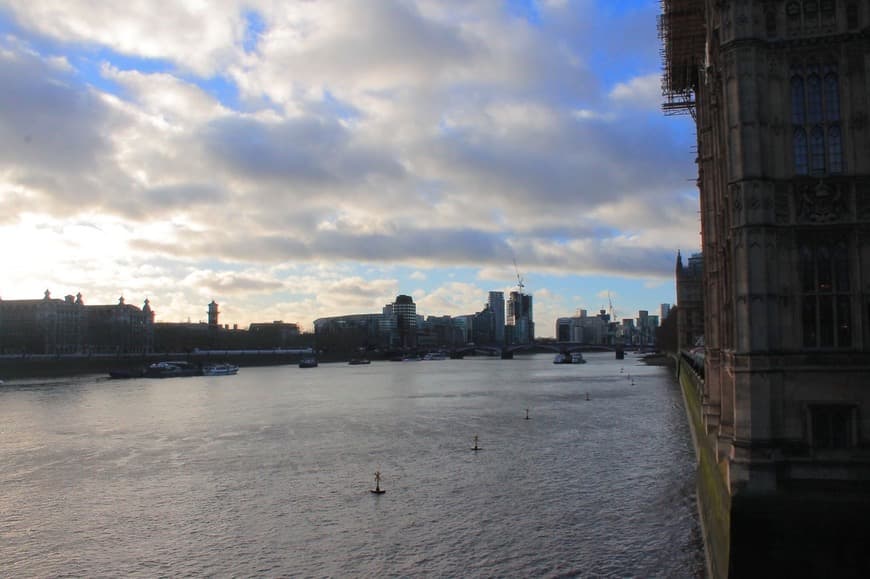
point(300, 161)
point(214, 310)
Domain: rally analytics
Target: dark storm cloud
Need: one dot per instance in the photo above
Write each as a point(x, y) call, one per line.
point(170, 197)
point(582, 167)
point(458, 247)
point(309, 151)
point(461, 246)
point(51, 129)
point(232, 283)
point(231, 246)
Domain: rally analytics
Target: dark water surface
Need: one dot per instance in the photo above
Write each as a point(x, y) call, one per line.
point(267, 473)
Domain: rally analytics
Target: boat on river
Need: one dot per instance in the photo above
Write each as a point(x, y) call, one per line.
point(220, 370)
point(359, 361)
point(308, 363)
point(566, 358)
point(172, 369)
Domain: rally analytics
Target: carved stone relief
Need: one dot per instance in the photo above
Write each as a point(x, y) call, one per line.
point(822, 203)
point(754, 202)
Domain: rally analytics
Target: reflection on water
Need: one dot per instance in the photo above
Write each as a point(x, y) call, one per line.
point(267, 472)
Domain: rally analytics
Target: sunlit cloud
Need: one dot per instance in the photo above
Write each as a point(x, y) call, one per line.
point(299, 160)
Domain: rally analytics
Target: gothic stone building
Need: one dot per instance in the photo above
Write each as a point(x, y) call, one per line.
point(690, 299)
point(780, 92)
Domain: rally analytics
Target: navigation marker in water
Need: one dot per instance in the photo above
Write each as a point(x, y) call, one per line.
point(475, 444)
point(377, 490)
point(527, 413)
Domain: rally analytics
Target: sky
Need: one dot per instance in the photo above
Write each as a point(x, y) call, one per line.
point(300, 159)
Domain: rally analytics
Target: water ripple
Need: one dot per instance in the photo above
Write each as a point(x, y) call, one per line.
point(267, 473)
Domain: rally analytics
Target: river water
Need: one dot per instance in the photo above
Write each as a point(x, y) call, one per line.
point(267, 473)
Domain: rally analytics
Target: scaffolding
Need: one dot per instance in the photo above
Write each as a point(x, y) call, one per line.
point(683, 44)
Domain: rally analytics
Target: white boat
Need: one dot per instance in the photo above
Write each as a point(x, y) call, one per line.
point(172, 369)
point(220, 370)
point(572, 358)
point(435, 356)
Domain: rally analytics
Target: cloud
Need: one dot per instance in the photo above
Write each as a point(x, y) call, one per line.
point(233, 148)
point(643, 92)
point(306, 151)
point(51, 129)
point(195, 36)
point(228, 283)
point(454, 299)
point(591, 115)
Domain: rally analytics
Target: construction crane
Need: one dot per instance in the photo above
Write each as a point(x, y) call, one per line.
point(610, 304)
point(520, 285)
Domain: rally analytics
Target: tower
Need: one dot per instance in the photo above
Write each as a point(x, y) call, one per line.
point(496, 304)
point(404, 311)
point(520, 318)
point(780, 94)
point(213, 314)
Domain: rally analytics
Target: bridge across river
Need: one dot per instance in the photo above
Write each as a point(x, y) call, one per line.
point(508, 351)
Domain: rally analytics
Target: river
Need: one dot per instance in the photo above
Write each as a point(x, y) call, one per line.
point(267, 473)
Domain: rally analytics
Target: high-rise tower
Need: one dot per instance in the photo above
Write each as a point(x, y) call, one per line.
point(496, 304)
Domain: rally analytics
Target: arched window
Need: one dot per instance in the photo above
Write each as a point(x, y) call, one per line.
point(841, 267)
point(770, 23)
point(829, 11)
point(817, 140)
point(807, 269)
point(852, 15)
point(823, 269)
point(826, 310)
point(793, 15)
point(811, 13)
point(835, 150)
point(817, 151)
point(799, 146)
point(797, 100)
point(832, 97)
point(814, 99)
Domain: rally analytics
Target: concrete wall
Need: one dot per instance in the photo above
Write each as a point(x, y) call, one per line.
point(714, 501)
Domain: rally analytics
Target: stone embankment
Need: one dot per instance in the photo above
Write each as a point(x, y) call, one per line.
point(12, 367)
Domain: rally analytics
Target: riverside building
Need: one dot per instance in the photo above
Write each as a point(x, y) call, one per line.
point(68, 326)
point(780, 93)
